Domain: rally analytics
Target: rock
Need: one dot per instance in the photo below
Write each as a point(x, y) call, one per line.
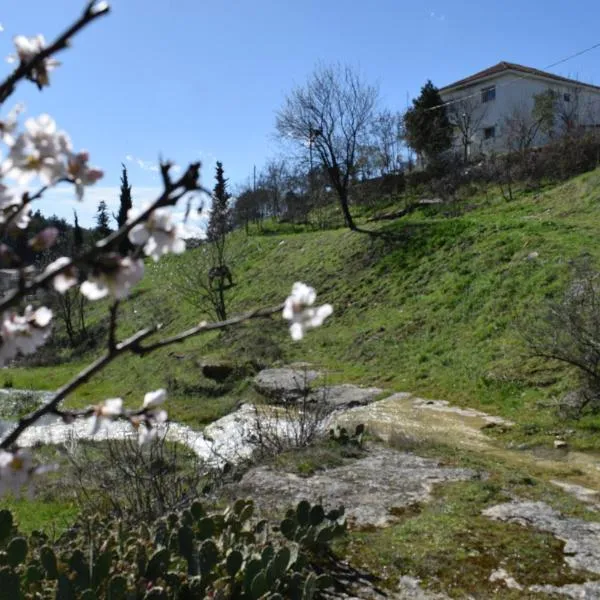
point(218, 372)
point(503, 576)
point(560, 444)
point(582, 538)
point(294, 383)
point(371, 488)
point(284, 385)
point(445, 406)
point(590, 590)
point(582, 494)
point(409, 588)
point(344, 396)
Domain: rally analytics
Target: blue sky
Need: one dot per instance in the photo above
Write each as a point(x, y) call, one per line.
point(190, 79)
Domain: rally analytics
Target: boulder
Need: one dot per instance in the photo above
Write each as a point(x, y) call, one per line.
point(286, 384)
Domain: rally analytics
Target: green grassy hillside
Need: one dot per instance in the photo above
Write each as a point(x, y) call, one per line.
point(435, 307)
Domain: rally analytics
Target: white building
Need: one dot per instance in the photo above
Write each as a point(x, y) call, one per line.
point(493, 110)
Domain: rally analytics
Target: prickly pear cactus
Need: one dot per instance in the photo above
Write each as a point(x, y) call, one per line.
point(196, 553)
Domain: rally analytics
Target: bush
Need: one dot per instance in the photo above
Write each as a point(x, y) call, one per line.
point(569, 332)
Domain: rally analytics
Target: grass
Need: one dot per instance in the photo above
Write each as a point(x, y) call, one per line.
point(435, 307)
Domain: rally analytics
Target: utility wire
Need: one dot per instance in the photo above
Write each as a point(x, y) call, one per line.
point(519, 78)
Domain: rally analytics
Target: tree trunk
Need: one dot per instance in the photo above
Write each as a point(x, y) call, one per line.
point(343, 194)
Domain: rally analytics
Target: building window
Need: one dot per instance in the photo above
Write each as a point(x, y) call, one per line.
point(488, 94)
point(489, 133)
point(567, 97)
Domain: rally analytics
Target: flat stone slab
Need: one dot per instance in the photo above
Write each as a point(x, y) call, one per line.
point(582, 538)
point(583, 494)
point(369, 488)
point(445, 406)
point(295, 384)
point(344, 396)
point(590, 590)
point(284, 384)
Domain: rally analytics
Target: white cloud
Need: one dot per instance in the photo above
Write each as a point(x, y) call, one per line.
point(436, 16)
point(148, 165)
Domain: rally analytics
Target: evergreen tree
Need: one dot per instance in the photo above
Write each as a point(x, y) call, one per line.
point(219, 222)
point(77, 234)
point(428, 129)
point(125, 246)
point(102, 220)
point(219, 275)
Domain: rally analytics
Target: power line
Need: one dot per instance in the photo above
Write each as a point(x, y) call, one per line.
point(514, 80)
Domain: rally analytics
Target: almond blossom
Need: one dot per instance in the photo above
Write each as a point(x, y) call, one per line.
point(108, 410)
point(67, 278)
point(17, 469)
point(27, 49)
point(81, 173)
point(298, 309)
point(13, 209)
point(115, 276)
point(158, 235)
point(9, 125)
point(38, 151)
point(24, 333)
point(154, 399)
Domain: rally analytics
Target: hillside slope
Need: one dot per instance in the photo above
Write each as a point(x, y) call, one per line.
point(435, 307)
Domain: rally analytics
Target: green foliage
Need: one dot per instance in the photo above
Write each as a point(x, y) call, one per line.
point(125, 204)
point(192, 554)
point(428, 129)
point(102, 220)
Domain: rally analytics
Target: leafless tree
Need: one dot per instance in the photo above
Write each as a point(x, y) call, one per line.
point(387, 133)
point(331, 115)
point(466, 117)
point(521, 128)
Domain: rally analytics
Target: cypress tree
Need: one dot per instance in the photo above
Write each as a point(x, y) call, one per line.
point(125, 246)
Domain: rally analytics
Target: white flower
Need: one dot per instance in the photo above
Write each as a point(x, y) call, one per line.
point(298, 309)
point(147, 428)
point(109, 409)
point(154, 399)
point(11, 208)
point(9, 125)
point(64, 280)
point(16, 469)
point(28, 48)
point(38, 151)
point(115, 277)
point(81, 173)
point(158, 235)
point(24, 333)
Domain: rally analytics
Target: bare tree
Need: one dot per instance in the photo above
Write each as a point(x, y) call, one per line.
point(388, 133)
point(466, 117)
point(331, 115)
point(521, 128)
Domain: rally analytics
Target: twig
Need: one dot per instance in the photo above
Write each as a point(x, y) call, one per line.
point(186, 183)
point(112, 329)
point(203, 327)
point(25, 69)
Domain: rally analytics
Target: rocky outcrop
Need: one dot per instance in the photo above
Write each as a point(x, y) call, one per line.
point(294, 384)
point(371, 489)
point(582, 538)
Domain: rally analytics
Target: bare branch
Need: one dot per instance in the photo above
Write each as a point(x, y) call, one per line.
point(204, 327)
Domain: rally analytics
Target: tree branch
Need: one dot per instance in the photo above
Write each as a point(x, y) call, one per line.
point(77, 381)
point(25, 69)
point(132, 344)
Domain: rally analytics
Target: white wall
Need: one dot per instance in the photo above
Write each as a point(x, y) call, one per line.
point(518, 96)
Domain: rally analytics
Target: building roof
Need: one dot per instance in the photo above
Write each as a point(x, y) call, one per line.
point(504, 66)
